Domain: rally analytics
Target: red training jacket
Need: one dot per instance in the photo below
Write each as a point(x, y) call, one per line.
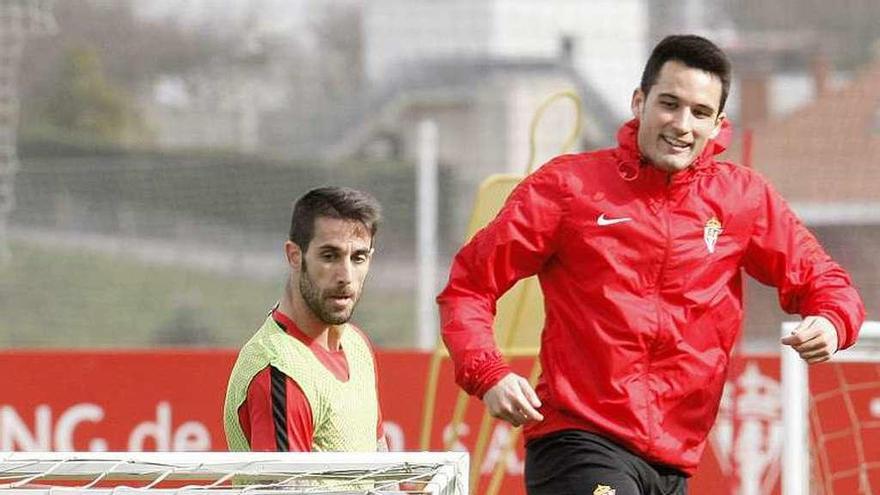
point(642, 278)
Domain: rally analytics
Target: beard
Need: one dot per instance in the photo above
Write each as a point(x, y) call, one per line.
point(316, 302)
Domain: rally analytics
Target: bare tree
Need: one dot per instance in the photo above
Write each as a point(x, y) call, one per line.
point(130, 51)
point(846, 29)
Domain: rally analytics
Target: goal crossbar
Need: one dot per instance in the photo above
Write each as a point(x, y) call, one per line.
point(439, 473)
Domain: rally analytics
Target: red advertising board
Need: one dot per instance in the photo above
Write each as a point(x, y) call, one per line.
point(172, 401)
point(115, 401)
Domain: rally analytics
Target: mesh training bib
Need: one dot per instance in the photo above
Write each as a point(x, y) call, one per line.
point(344, 413)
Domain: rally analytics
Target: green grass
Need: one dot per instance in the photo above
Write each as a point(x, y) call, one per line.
point(60, 298)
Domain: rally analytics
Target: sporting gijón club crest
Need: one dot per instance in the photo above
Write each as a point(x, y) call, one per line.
point(747, 438)
point(711, 231)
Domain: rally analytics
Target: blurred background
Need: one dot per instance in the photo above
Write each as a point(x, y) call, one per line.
point(150, 151)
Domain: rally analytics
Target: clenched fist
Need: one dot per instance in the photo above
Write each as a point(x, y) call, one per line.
point(815, 339)
point(513, 400)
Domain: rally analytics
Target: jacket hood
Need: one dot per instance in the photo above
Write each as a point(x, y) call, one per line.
point(631, 158)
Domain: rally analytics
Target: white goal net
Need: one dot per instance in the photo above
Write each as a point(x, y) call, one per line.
point(337, 473)
point(831, 420)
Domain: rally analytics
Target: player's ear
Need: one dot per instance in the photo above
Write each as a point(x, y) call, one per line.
point(638, 102)
point(293, 253)
point(718, 121)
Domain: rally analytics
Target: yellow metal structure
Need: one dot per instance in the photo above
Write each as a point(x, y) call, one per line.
point(520, 312)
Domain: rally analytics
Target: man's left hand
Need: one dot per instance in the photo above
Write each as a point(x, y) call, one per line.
point(815, 339)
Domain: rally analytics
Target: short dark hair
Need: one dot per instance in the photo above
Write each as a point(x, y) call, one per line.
point(332, 202)
point(695, 52)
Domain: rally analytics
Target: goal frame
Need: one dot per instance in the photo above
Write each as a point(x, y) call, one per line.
point(795, 385)
point(91, 470)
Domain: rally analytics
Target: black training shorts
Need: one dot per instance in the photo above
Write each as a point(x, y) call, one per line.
point(574, 462)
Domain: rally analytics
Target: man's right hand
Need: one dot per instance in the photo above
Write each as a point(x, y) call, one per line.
point(513, 400)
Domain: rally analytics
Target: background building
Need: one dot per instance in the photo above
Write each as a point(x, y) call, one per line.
point(178, 133)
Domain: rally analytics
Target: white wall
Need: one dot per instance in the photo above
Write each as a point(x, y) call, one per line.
point(397, 32)
point(609, 38)
point(609, 35)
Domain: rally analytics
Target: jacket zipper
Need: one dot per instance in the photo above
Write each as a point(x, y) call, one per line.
point(660, 316)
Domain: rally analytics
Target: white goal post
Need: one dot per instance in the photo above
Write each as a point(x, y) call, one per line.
point(227, 473)
point(795, 403)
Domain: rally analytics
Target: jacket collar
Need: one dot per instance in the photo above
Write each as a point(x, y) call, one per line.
point(631, 163)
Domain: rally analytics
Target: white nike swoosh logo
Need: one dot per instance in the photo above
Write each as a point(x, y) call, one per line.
point(602, 221)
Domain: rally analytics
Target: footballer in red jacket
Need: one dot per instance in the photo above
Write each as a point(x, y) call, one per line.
point(640, 251)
